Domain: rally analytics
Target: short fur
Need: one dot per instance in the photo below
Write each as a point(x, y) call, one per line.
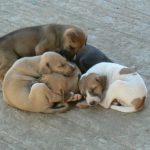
point(123, 89)
point(36, 40)
point(88, 56)
point(25, 87)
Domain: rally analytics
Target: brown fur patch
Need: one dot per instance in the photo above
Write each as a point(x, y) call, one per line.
point(102, 80)
point(127, 71)
point(76, 35)
point(139, 103)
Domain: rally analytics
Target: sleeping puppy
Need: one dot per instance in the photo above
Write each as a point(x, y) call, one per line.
point(88, 56)
point(37, 40)
point(113, 86)
point(66, 86)
point(23, 89)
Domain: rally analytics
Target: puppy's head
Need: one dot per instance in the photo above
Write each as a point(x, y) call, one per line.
point(73, 40)
point(92, 87)
point(54, 62)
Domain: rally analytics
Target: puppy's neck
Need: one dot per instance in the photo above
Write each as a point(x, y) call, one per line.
point(35, 65)
point(59, 37)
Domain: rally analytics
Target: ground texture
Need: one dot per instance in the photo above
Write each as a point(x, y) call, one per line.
point(121, 28)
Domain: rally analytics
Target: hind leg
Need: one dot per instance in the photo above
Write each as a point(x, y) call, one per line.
point(120, 91)
point(42, 97)
point(113, 93)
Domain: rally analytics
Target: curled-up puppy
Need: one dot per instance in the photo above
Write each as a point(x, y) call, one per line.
point(113, 86)
point(65, 86)
point(88, 56)
point(36, 40)
point(23, 89)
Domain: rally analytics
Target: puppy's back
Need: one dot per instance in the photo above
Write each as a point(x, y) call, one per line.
point(89, 56)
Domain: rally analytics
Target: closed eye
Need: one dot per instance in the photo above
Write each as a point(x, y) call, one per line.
point(61, 65)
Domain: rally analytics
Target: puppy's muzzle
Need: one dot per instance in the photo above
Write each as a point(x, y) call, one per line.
point(72, 70)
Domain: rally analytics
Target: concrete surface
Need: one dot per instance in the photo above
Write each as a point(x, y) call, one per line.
point(121, 28)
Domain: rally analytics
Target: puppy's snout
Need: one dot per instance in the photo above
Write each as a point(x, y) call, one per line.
point(92, 103)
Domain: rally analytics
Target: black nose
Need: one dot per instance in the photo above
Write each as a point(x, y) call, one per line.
point(92, 103)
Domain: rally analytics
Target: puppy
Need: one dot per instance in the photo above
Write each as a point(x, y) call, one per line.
point(23, 89)
point(37, 40)
point(113, 86)
point(88, 56)
point(66, 86)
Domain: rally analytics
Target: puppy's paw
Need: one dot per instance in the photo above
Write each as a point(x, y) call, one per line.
point(82, 105)
point(77, 97)
point(74, 97)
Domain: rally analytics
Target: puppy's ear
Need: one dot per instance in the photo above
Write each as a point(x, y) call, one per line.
point(45, 68)
point(102, 80)
point(73, 34)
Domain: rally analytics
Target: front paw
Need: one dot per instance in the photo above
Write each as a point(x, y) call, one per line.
point(82, 105)
point(74, 97)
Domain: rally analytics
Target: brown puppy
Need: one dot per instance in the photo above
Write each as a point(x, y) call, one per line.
point(37, 40)
point(21, 86)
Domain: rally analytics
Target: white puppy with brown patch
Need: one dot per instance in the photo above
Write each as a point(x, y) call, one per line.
point(113, 86)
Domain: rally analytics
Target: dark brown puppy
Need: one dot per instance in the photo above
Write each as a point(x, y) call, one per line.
point(88, 56)
point(37, 40)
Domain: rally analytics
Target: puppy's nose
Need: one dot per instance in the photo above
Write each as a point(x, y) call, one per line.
point(92, 103)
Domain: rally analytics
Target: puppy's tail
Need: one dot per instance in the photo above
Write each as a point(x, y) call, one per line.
point(137, 104)
point(60, 109)
point(125, 109)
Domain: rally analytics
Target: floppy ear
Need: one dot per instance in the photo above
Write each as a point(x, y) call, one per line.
point(102, 80)
point(45, 68)
point(73, 34)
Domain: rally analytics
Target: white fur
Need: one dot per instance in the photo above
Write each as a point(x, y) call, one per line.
point(123, 87)
point(123, 108)
point(91, 98)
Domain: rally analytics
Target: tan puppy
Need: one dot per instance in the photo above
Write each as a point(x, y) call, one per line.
point(22, 88)
point(37, 40)
point(66, 86)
